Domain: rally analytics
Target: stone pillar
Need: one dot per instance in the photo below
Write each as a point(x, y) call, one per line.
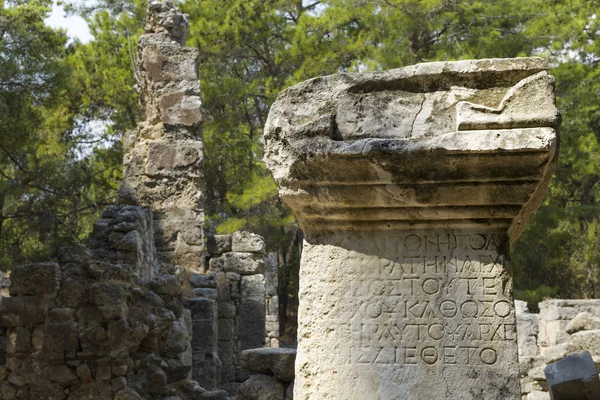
point(410, 185)
point(272, 307)
point(163, 158)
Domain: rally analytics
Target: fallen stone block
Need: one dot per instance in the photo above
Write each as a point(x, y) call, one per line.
point(575, 377)
point(278, 362)
point(583, 321)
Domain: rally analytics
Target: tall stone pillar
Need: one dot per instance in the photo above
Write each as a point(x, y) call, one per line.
point(163, 158)
point(410, 185)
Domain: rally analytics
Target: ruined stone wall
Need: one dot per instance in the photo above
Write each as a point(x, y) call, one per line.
point(234, 291)
point(561, 328)
point(103, 322)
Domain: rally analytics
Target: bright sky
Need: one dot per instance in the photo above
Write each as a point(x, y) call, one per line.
point(76, 26)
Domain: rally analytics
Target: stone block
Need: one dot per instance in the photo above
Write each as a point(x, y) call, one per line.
point(62, 374)
point(204, 336)
point(227, 309)
point(216, 264)
point(226, 354)
point(202, 308)
point(61, 336)
point(178, 336)
point(527, 387)
point(555, 353)
point(103, 371)
point(119, 367)
point(271, 361)
point(37, 337)
point(574, 377)
point(224, 290)
point(236, 291)
point(41, 279)
point(206, 293)
point(553, 332)
point(538, 395)
point(227, 329)
point(556, 309)
point(178, 226)
point(585, 341)
point(272, 274)
point(206, 370)
point(251, 315)
point(521, 307)
point(22, 311)
point(261, 387)
point(177, 108)
point(129, 242)
point(219, 244)
point(246, 242)
point(243, 263)
point(273, 305)
point(73, 291)
point(203, 281)
point(583, 321)
point(527, 346)
point(18, 340)
point(167, 284)
point(227, 373)
point(169, 159)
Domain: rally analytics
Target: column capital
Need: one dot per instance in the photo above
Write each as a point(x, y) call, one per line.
point(461, 145)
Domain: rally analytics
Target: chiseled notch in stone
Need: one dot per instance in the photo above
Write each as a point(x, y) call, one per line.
point(410, 185)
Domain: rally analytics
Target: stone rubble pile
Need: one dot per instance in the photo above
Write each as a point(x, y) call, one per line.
point(562, 327)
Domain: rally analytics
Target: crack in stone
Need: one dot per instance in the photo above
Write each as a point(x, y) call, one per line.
point(412, 125)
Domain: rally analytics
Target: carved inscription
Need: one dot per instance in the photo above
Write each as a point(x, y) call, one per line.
point(431, 299)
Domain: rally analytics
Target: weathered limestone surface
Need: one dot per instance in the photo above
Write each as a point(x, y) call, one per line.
point(164, 156)
point(410, 185)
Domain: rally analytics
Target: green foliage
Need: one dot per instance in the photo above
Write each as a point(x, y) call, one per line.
point(56, 172)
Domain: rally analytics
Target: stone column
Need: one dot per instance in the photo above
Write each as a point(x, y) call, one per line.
point(410, 185)
point(163, 158)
